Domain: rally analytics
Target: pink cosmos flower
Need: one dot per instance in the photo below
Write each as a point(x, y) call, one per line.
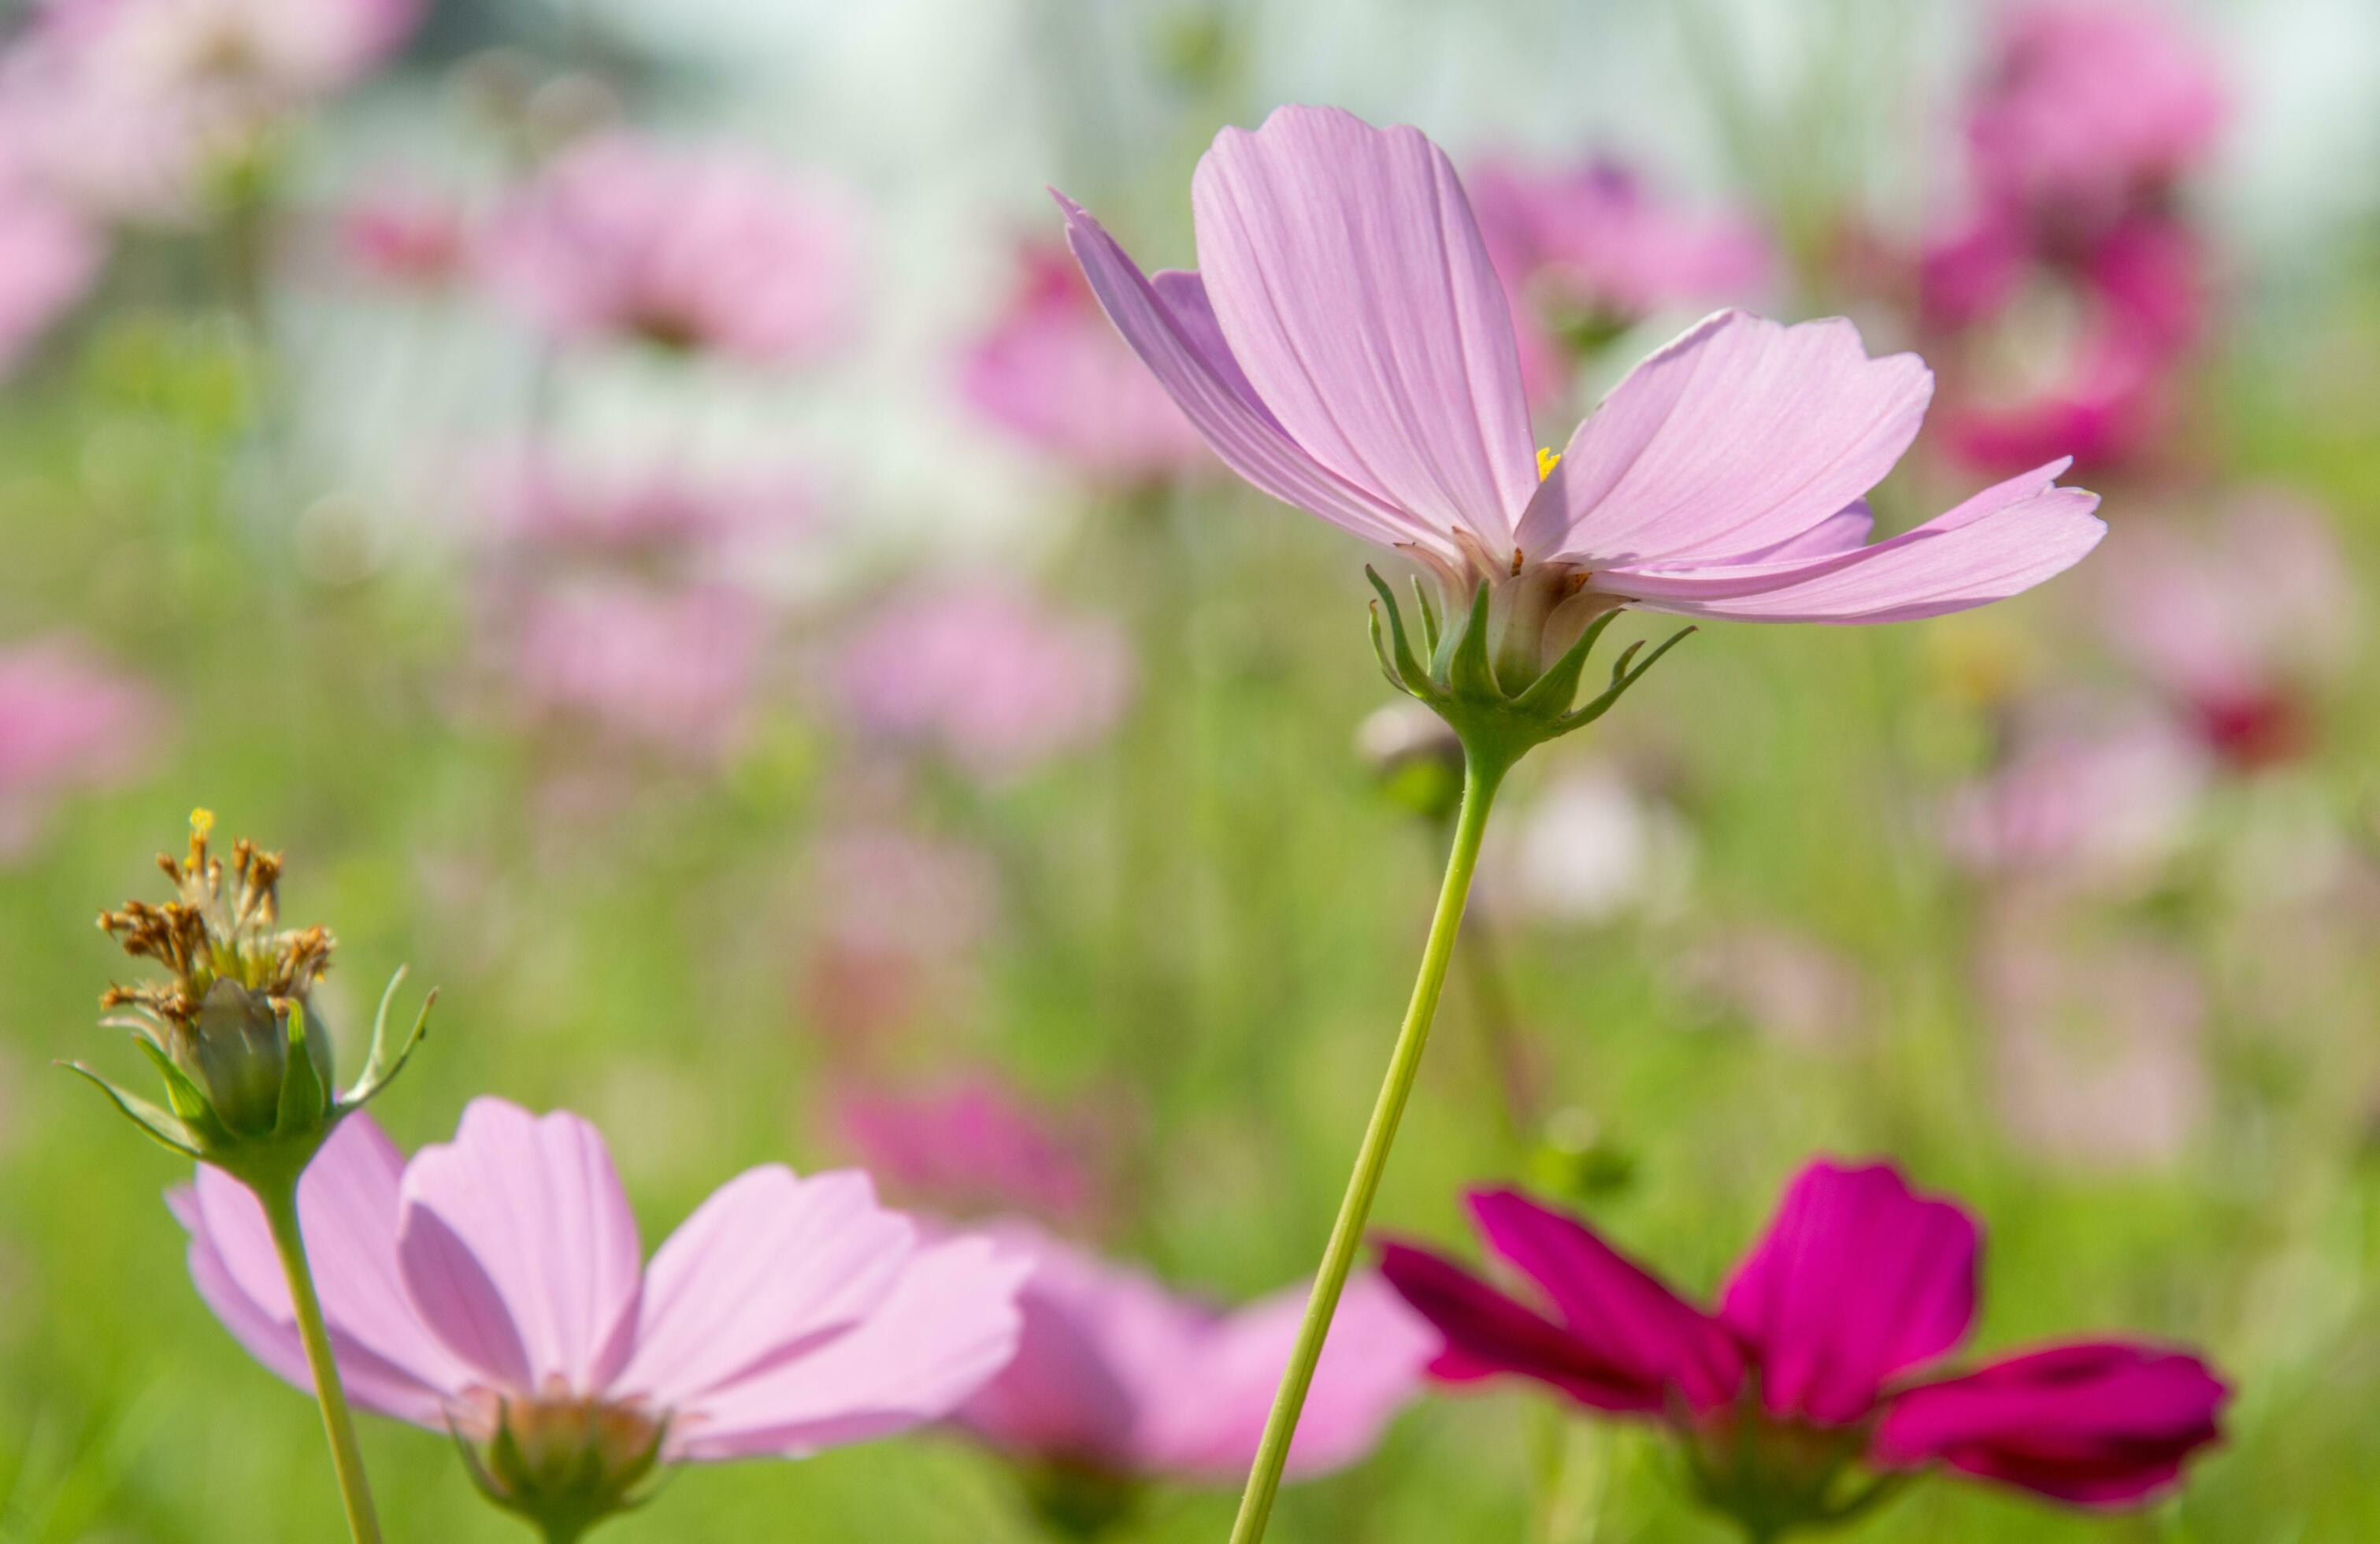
point(675, 670)
point(49, 257)
point(1348, 348)
point(696, 248)
point(1822, 1352)
point(67, 722)
point(1050, 372)
point(973, 1148)
point(2236, 621)
point(1118, 1376)
point(497, 1280)
point(2098, 802)
point(985, 675)
point(127, 104)
point(2094, 105)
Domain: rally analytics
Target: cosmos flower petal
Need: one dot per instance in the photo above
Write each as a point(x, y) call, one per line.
point(1486, 1334)
point(768, 1266)
point(1741, 433)
point(519, 1248)
point(946, 1327)
point(1857, 1279)
point(1170, 325)
point(2095, 1423)
point(1349, 275)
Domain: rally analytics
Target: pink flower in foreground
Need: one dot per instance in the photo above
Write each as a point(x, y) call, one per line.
point(2237, 620)
point(971, 1148)
point(1120, 1377)
point(1821, 1355)
point(2093, 105)
point(1589, 249)
point(1347, 348)
point(1050, 372)
point(696, 249)
point(67, 722)
point(496, 1282)
point(49, 257)
point(985, 675)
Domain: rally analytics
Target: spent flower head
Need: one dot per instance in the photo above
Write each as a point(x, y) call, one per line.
point(249, 1080)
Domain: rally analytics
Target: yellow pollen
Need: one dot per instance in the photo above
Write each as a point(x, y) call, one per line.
point(203, 820)
point(1547, 461)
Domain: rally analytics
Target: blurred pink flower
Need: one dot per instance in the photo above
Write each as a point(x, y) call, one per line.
point(1052, 373)
point(546, 510)
point(499, 1277)
point(68, 722)
point(1349, 350)
point(985, 675)
point(2091, 107)
point(2099, 1051)
point(2090, 801)
point(2238, 620)
point(896, 915)
point(1586, 250)
point(126, 106)
point(1829, 1325)
point(1783, 984)
point(687, 247)
point(49, 259)
point(402, 234)
point(1119, 1377)
point(675, 670)
point(975, 1147)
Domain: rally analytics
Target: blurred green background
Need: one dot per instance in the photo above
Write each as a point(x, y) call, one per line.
point(251, 480)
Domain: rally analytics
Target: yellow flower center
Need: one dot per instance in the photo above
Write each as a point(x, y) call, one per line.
point(1547, 461)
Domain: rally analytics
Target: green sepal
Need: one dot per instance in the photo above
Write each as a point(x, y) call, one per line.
point(305, 1097)
point(1406, 672)
point(1468, 674)
point(383, 1065)
point(1621, 679)
point(1552, 693)
point(1429, 624)
point(161, 1126)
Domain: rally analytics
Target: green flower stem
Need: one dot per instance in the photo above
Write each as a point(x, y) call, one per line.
point(1481, 777)
point(280, 1200)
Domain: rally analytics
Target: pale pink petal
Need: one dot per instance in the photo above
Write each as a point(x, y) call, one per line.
point(347, 1210)
point(764, 1270)
point(519, 1247)
point(941, 1332)
point(1170, 325)
point(1349, 276)
point(1741, 433)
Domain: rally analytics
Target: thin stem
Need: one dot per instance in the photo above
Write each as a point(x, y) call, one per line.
point(280, 1202)
point(1480, 780)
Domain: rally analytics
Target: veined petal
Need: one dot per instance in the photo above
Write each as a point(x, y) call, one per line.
point(1742, 434)
point(1349, 276)
point(2101, 1424)
point(1857, 1279)
point(768, 1266)
point(1174, 333)
point(1954, 562)
point(945, 1329)
point(519, 1247)
point(1622, 1313)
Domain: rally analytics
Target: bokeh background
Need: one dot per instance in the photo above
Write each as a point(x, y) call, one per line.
point(820, 717)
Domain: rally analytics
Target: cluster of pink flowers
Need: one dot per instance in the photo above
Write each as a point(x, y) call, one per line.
point(976, 1146)
point(2092, 114)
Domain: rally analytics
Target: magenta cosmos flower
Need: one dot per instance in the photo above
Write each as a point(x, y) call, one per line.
point(1120, 1378)
point(984, 674)
point(1820, 1356)
point(1347, 347)
point(2092, 106)
point(494, 1285)
point(1050, 372)
point(692, 249)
